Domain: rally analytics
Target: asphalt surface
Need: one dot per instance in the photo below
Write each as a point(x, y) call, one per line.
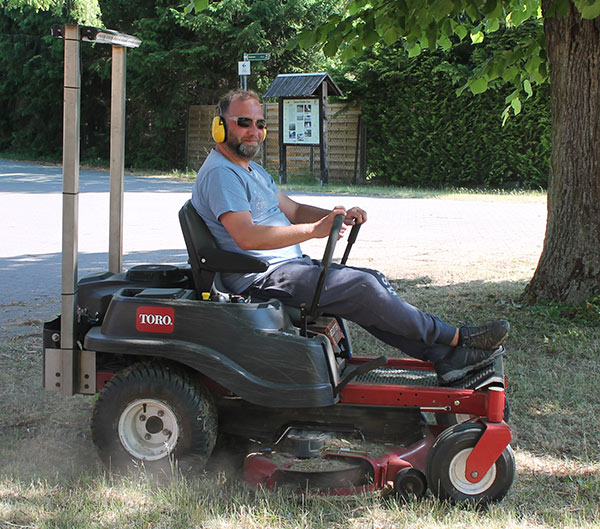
point(403, 237)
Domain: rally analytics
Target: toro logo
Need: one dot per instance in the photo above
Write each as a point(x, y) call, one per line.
point(155, 319)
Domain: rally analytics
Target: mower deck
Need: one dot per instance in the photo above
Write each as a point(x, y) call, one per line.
point(352, 458)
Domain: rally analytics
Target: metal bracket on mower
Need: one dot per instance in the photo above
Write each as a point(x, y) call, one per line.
point(488, 449)
point(359, 370)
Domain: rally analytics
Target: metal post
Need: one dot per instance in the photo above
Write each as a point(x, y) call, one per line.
point(264, 145)
point(282, 147)
point(324, 145)
point(71, 120)
point(117, 159)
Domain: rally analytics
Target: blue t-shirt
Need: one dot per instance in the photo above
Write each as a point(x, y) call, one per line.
point(223, 186)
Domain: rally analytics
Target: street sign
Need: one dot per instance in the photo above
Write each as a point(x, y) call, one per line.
point(243, 67)
point(258, 56)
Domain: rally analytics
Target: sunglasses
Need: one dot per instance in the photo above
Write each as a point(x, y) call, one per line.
point(246, 123)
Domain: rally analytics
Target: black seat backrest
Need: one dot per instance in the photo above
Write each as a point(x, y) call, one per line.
point(205, 257)
point(198, 239)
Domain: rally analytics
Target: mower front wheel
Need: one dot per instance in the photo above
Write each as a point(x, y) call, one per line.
point(156, 417)
point(446, 464)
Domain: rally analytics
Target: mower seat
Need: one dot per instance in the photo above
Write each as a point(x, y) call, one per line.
point(206, 259)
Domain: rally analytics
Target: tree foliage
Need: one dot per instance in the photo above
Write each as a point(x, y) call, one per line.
point(434, 24)
point(184, 59)
point(80, 11)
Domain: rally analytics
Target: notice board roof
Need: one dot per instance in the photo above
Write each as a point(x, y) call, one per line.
point(301, 85)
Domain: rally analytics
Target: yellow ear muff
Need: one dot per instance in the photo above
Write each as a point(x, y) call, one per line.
point(265, 136)
point(219, 132)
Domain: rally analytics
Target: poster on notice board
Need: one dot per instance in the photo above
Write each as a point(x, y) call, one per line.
point(301, 121)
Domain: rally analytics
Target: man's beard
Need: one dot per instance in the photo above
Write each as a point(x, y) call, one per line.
point(245, 151)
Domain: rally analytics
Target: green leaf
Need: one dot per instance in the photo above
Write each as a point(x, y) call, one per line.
point(445, 43)
point(370, 37)
point(510, 73)
point(516, 105)
point(477, 38)
point(391, 35)
point(527, 88)
point(505, 115)
point(590, 11)
point(414, 50)
point(200, 5)
point(479, 85)
point(518, 17)
point(460, 31)
point(354, 7)
point(330, 48)
point(511, 96)
point(473, 13)
point(441, 9)
point(493, 24)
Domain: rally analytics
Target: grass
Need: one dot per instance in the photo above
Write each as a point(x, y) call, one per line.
point(50, 476)
point(312, 185)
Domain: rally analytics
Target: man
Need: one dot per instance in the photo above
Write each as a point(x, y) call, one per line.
point(247, 213)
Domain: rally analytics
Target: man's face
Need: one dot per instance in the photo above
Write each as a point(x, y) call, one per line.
point(244, 141)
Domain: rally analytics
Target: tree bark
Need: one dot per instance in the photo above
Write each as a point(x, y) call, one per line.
point(569, 267)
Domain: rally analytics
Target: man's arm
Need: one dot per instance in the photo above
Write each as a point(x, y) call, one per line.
point(298, 213)
point(250, 236)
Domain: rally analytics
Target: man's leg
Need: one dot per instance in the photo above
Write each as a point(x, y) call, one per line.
point(365, 297)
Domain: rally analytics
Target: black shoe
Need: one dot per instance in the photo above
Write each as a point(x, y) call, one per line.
point(488, 336)
point(459, 363)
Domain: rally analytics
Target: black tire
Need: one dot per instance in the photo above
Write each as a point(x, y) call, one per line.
point(446, 464)
point(410, 483)
point(154, 417)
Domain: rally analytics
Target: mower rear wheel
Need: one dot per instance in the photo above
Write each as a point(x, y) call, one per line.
point(446, 465)
point(156, 417)
point(410, 483)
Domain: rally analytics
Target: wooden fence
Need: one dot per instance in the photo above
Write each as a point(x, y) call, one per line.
point(347, 141)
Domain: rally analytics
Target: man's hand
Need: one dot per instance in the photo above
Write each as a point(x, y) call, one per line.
point(355, 215)
point(322, 228)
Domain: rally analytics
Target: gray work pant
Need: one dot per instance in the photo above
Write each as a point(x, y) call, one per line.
point(365, 297)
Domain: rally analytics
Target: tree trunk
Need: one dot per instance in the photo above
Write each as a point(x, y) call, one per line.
point(569, 268)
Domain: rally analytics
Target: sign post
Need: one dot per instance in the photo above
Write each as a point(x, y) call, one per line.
point(244, 66)
point(244, 72)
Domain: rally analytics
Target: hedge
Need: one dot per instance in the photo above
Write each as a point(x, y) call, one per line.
point(421, 134)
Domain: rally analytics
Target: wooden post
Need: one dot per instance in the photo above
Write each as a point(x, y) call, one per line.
point(324, 137)
point(363, 152)
point(71, 120)
point(357, 150)
point(282, 147)
point(117, 159)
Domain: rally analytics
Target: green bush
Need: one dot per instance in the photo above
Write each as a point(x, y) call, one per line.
point(421, 134)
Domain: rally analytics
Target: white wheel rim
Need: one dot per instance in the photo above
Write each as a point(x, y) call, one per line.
point(456, 473)
point(148, 429)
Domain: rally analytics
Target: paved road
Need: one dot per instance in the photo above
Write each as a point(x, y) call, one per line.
point(442, 239)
